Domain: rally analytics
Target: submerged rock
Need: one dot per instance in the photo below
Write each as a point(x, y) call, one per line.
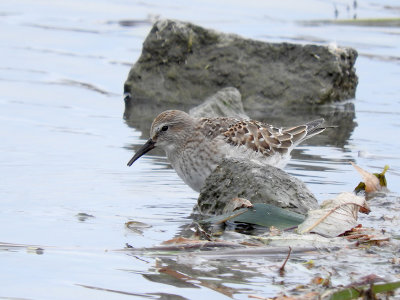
point(225, 103)
point(185, 63)
point(256, 183)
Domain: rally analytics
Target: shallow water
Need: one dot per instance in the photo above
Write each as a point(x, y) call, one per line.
point(65, 146)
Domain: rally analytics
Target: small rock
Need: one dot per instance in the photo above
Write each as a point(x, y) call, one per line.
point(225, 103)
point(257, 183)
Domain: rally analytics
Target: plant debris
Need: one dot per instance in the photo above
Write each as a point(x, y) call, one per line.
point(372, 182)
point(366, 291)
point(338, 232)
point(335, 216)
point(235, 204)
point(366, 236)
point(137, 227)
point(282, 268)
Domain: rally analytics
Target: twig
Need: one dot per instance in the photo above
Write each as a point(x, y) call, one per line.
point(282, 269)
point(201, 232)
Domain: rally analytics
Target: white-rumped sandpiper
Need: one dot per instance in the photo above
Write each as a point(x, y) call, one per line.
point(195, 146)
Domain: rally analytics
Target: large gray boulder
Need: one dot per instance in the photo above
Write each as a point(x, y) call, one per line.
point(182, 63)
point(256, 183)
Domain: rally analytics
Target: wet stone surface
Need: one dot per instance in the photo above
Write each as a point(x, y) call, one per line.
point(256, 183)
point(225, 103)
point(185, 63)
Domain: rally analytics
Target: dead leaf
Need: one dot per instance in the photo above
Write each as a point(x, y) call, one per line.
point(235, 204)
point(273, 231)
point(364, 210)
point(372, 182)
point(381, 176)
point(309, 264)
point(321, 281)
point(335, 216)
point(181, 240)
point(366, 236)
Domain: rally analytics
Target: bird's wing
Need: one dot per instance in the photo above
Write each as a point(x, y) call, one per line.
point(213, 127)
point(267, 139)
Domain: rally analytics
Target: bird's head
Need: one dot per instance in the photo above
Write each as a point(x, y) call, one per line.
point(168, 131)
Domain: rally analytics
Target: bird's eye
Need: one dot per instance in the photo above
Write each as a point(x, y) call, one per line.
point(164, 128)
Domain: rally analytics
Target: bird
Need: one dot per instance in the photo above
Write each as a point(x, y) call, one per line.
point(195, 146)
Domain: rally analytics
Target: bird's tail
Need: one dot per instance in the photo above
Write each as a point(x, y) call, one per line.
point(315, 127)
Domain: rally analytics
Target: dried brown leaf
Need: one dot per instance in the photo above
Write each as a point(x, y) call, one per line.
point(321, 281)
point(235, 204)
point(181, 240)
point(366, 236)
point(371, 181)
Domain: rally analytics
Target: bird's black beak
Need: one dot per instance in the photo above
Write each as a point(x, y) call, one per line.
point(150, 144)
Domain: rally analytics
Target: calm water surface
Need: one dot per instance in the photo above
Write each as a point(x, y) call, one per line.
point(65, 187)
